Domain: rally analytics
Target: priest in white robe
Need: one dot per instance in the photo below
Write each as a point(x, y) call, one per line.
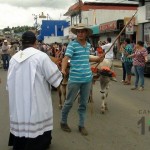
point(30, 76)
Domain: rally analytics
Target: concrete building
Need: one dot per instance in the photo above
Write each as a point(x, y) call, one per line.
point(143, 19)
point(52, 28)
point(105, 18)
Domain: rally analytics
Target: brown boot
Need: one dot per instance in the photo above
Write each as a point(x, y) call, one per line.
point(83, 131)
point(128, 80)
point(65, 127)
point(127, 83)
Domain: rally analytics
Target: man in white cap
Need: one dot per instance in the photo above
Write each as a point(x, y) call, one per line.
point(80, 76)
point(30, 75)
point(5, 55)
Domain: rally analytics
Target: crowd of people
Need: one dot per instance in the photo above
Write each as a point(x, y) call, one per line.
point(8, 49)
point(133, 56)
point(55, 50)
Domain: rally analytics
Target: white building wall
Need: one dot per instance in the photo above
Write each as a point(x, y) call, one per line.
point(103, 15)
point(69, 34)
point(53, 39)
point(66, 31)
point(141, 16)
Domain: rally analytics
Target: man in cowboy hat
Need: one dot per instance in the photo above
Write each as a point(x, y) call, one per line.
point(80, 77)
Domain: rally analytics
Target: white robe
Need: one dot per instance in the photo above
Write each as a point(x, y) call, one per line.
point(30, 103)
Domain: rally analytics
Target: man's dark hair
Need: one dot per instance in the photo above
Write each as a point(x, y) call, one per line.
point(127, 40)
point(28, 39)
point(141, 43)
point(109, 39)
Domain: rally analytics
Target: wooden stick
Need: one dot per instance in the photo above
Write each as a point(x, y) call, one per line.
point(77, 95)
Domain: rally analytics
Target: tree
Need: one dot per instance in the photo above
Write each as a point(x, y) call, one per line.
point(17, 29)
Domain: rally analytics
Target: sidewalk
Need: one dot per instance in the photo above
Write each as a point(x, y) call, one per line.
point(117, 63)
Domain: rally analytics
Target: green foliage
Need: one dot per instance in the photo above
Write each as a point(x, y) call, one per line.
point(6, 29)
point(18, 29)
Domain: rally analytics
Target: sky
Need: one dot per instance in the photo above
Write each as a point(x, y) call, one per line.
point(15, 13)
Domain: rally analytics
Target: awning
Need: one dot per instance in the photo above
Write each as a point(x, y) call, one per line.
point(95, 29)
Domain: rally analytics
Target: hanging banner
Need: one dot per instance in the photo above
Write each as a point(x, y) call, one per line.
point(130, 26)
point(109, 26)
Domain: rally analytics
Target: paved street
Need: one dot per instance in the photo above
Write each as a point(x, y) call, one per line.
point(115, 130)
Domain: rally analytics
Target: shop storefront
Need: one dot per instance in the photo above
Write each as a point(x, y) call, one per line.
point(143, 19)
point(112, 29)
point(101, 32)
point(131, 29)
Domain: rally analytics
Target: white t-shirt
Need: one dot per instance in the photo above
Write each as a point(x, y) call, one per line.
point(110, 54)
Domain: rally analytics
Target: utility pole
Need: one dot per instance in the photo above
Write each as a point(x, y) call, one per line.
point(35, 24)
point(80, 18)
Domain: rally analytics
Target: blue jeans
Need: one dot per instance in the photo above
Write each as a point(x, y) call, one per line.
point(124, 72)
point(5, 58)
point(73, 89)
point(139, 74)
point(128, 67)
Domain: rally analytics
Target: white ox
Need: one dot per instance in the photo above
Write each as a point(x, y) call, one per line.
point(104, 75)
point(104, 79)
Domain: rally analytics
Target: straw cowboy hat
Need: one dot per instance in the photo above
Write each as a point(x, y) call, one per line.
point(81, 26)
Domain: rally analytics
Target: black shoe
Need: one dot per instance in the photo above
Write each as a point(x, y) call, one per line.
point(65, 127)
